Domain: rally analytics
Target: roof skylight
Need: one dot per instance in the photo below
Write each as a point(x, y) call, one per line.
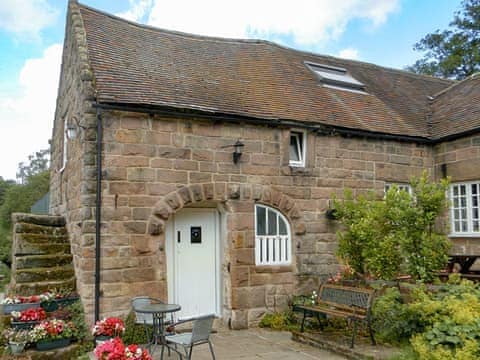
point(336, 77)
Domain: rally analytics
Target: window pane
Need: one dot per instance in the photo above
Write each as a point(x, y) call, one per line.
point(455, 202)
point(282, 227)
point(261, 220)
point(272, 222)
point(463, 189)
point(474, 188)
point(475, 226)
point(464, 226)
point(464, 213)
point(294, 147)
point(463, 201)
point(456, 214)
point(457, 226)
point(455, 191)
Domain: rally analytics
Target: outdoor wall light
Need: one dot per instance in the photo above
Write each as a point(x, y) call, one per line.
point(237, 152)
point(72, 131)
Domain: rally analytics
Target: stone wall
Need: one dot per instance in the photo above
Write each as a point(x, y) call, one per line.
point(460, 161)
point(72, 187)
point(154, 166)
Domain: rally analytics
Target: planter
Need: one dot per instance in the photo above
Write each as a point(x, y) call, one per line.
point(44, 345)
point(16, 348)
point(66, 301)
point(24, 325)
point(8, 308)
point(100, 339)
point(49, 306)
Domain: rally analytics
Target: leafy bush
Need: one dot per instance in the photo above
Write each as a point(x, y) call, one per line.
point(393, 320)
point(279, 321)
point(134, 333)
point(397, 234)
point(451, 317)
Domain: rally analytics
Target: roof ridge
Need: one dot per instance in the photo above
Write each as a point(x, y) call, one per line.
point(266, 42)
point(457, 83)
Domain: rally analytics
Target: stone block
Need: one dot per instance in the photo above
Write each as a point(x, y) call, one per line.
point(169, 176)
point(141, 174)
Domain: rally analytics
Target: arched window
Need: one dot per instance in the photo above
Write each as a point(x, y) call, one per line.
point(273, 244)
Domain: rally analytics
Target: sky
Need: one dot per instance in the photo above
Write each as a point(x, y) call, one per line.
point(382, 32)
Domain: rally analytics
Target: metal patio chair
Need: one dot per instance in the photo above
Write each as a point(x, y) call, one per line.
point(200, 334)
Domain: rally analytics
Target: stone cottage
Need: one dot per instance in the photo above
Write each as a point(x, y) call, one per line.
point(199, 170)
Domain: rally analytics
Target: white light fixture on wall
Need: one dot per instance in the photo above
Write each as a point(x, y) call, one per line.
point(72, 131)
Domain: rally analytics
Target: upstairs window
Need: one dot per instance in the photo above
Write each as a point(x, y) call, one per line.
point(272, 237)
point(297, 148)
point(336, 77)
point(400, 187)
point(464, 211)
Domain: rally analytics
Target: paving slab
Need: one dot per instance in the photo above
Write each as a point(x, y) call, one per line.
point(256, 343)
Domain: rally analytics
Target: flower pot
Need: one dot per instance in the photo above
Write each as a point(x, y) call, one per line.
point(16, 347)
point(24, 325)
point(8, 308)
point(67, 301)
point(49, 306)
point(100, 339)
point(44, 345)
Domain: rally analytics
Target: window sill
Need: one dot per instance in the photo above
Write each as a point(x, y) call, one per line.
point(465, 235)
point(298, 170)
point(273, 268)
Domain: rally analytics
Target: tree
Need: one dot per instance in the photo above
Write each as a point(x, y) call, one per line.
point(453, 53)
point(19, 197)
point(38, 162)
point(397, 234)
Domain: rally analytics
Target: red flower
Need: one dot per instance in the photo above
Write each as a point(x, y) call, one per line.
point(111, 326)
point(32, 314)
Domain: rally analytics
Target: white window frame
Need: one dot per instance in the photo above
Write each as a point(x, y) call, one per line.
point(469, 209)
point(64, 146)
point(301, 137)
point(400, 186)
point(276, 249)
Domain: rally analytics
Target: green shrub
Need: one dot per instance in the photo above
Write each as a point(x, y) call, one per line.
point(279, 321)
point(397, 234)
point(134, 333)
point(451, 317)
point(394, 321)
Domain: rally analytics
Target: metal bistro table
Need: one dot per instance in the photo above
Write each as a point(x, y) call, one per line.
point(158, 312)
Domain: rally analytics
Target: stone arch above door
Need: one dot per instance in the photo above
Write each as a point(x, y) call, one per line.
point(222, 192)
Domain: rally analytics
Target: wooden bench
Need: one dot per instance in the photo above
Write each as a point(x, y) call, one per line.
point(346, 302)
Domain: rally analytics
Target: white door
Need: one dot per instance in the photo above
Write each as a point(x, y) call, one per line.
point(195, 262)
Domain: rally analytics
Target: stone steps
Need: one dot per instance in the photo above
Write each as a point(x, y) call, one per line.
point(43, 261)
point(41, 255)
point(39, 229)
point(57, 273)
point(40, 287)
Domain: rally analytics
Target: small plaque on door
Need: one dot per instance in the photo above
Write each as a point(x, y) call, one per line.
point(196, 234)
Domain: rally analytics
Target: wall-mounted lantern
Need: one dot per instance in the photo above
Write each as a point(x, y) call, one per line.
point(237, 152)
point(331, 213)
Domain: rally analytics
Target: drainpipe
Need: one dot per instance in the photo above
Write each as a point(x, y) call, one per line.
point(98, 207)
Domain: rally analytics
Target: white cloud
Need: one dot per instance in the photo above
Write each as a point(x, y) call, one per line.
point(138, 9)
point(26, 119)
point(26, 17)
point(349, 53)
point(306, 21)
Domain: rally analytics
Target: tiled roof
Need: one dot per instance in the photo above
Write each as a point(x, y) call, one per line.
point(145, 66)
point(457, 109)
